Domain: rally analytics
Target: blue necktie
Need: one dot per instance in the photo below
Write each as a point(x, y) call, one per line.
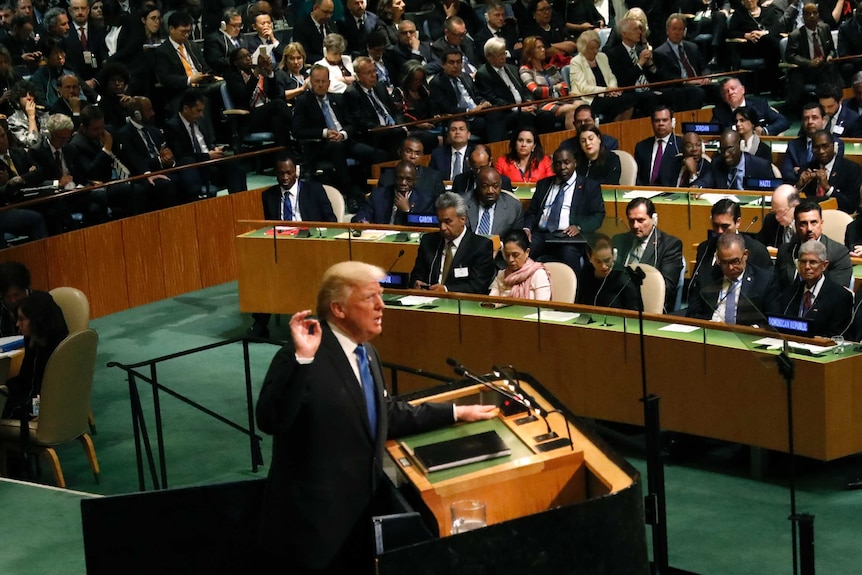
point(730, 304)
point(556, 209)
point(484, 223)
point(288, 209)
point(327, 114)
point(367, 387)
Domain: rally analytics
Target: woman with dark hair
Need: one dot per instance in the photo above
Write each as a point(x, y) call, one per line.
point(544, 80)
point(418, 104)
point(594, 160)
point(8, 78)
point(14, 287)
point(522, 278)
point(526, 160)
point(599, 283)
point(27, 122)
point(391, 14)
point(47, 77)
point(747, 119)
point(41, 322)
point(551, 28)
point(135, 39)
point(114, 87)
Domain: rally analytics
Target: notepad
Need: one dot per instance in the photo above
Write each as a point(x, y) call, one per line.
point(458, 451)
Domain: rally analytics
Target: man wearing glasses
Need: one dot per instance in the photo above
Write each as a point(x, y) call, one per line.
point(409, 47)
point(809, 221)
point(829, 305)
point(778, 226)
point(220, 43)
point(735, 293)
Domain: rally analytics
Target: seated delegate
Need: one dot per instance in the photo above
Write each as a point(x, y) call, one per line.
point(522, 278)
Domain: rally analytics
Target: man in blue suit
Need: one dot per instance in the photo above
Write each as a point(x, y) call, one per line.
point(291, 200)
point(442, 157)
point(356, 25)
point(732, 166)
point(799, 151)
point(652, 153)
point(842, 121)
point(391, 204)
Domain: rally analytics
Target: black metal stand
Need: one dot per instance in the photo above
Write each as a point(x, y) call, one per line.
point(802, 538)
point(654, 502)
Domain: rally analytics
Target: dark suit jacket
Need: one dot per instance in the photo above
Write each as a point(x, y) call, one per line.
point(241, 92)
point(758, 296)
point(399, 54)
point(132, 150)
point(308, 120)
point(467, 48)
point(23, 163)
point(668, 64)
point(848, 123)
point(306, 33)
point(704, 270)
point(845, 179)
point(363, 114)
point(357, 38)
point(625, 70)
point(663, 252)
point(831, 312)
point(754, 168)
point(314, 204)
point(428, 180)
point(475, 255)
point(46, 166)
point(441, 160)
point(465, 183)
point(87, 161)
point(509, 32)
point(169, 67)
point(180, 142)
point(326, 463)
point(75, 52)
point(587, 209)
point(254, 43)
point(797, 45)
point(574, 144)
point(643, 156)
point(217, 46)
point(444, 96)
point(670, 169)
point(491, 87)
point(771, 233)
point(839, 271)
point(508, 214)
point(377, 209)
point(771, 120)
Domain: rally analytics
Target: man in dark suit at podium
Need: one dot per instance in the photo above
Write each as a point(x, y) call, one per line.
point(324, 401)
point(291, 200)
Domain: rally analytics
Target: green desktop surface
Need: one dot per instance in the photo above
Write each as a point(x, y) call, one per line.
point(331, 234)
point(601, 321)
point(512, 441)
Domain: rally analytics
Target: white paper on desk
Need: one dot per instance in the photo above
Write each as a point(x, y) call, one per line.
point(679, 328)
point(760, 200)
point(714, 198)
point(770, 342)
point(640, 194)
point(417, 300)
point(776, 343)
point(554, 316)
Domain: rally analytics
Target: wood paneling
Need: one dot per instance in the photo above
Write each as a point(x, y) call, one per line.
point(178, 235)
point(214, 226)
point(246, 206)
point(106, 269)
point(142, 251)
point(66, 258)
point(33, 256)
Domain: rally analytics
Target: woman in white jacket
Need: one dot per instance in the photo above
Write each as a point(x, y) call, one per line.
point(592, 79)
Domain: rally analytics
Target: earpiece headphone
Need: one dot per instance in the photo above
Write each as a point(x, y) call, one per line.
point(655, 219)
point(136, 115)
point(673, 123)
point(222, 26)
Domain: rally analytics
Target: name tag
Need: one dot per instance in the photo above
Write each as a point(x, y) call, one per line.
point(462, 272)
point(837, 129)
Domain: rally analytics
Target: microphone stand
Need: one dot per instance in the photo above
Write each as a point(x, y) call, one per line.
point(802, 538)
point(654, 502)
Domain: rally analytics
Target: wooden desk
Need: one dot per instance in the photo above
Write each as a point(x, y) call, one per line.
point(712, 382)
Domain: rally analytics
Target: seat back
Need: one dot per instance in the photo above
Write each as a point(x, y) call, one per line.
point(225, 96)
point(65, 400)
point(835, 224)
point(628, 168)
point(564, 282)
point(75, 306)
point(653, 288)
point(336, 200)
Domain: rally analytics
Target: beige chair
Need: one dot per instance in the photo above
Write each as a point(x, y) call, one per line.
point(628, 168)
point(776, 172)
point(75, 306)
point(337, 201)
point(64, 405)
point(835, 224)
point(76, 312)
point(564, 282)
point(653, 289)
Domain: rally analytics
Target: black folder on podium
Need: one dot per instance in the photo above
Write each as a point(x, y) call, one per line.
point(459, 451)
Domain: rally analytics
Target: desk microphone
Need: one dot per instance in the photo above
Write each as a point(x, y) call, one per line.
point(510, 378)
point(398, 257)
point(464, 372)
point(753, 220)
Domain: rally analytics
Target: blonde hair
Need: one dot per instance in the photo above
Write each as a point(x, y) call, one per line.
point(339, 281)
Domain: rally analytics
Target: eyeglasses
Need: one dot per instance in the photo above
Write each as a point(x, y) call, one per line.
point(809, 263)
point(730, 263)
point(407, 32)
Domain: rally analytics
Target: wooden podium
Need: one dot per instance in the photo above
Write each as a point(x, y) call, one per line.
point(561, 505)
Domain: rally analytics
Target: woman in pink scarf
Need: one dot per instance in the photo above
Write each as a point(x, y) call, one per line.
point(523, 278)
